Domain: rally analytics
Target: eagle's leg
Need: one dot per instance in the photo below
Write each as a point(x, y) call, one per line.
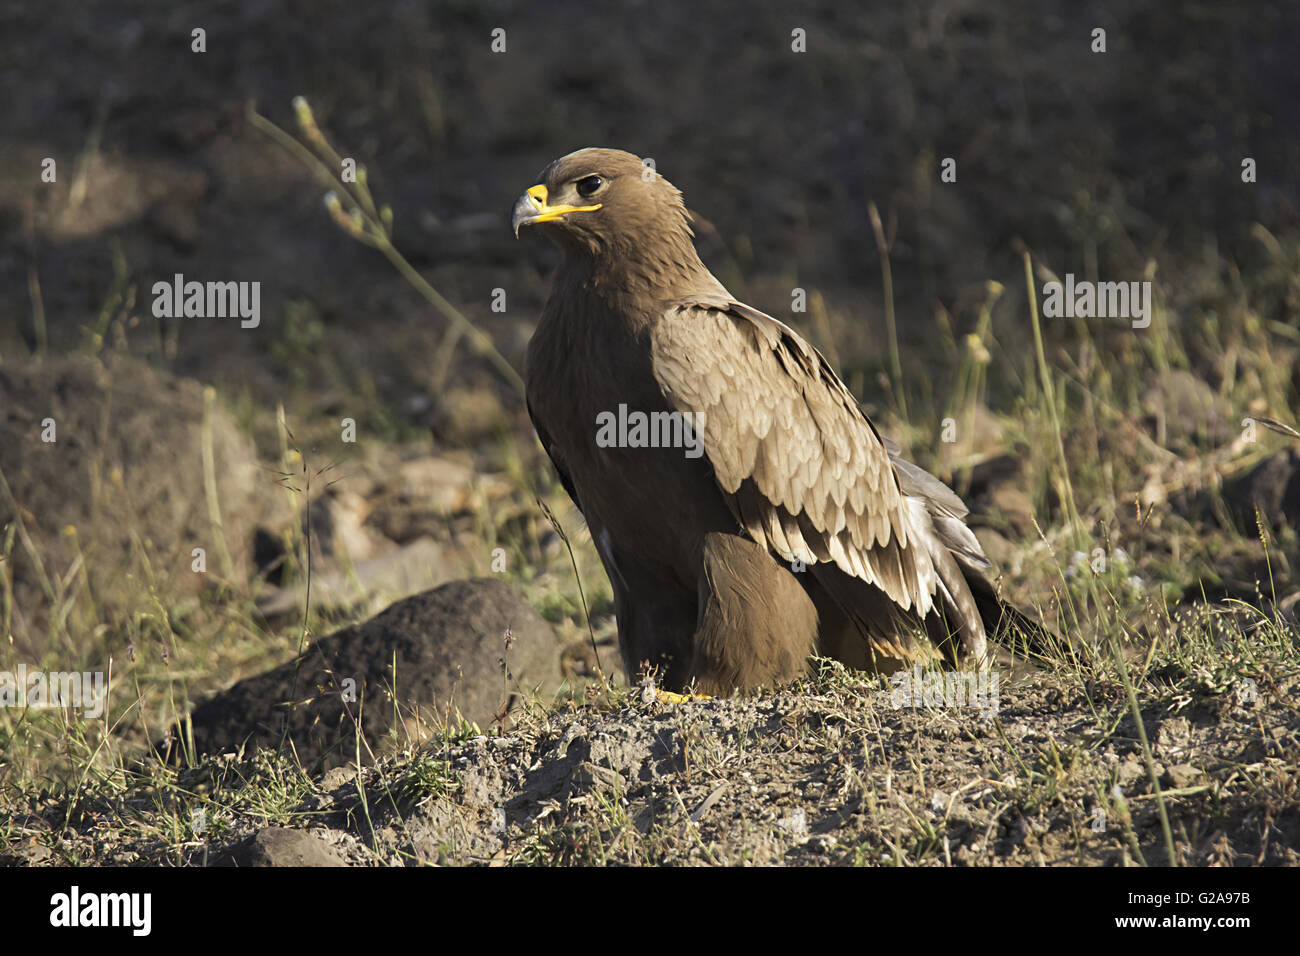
point(757, 626)
point(656, 619)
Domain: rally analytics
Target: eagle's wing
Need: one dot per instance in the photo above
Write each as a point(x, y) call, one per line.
point(556, 456)
point(947, 511)
point(800, 466)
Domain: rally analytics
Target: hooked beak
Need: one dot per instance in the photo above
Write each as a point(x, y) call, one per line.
point(532, 207)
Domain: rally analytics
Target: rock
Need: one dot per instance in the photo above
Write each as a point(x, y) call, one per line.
point(1272, 486)
point(400, 572)
point(1131, 771)
point(337, 778)
point(279, 846)
point(418, 498)
point(998, 496)
point(465, 416)
point(1180, 775)
point(996, 547)
point(978, 436)
point(1184, 411)
point(449, 647)
point(28, 852)
point(26, 839)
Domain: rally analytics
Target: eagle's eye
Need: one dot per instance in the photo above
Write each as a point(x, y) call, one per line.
point(588, 185)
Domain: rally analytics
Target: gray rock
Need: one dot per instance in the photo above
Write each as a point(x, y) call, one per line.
point(1272, 486)
point(449, 649)
point(278, 846)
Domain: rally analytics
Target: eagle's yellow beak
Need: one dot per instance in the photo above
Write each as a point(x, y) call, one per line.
point(532, 207)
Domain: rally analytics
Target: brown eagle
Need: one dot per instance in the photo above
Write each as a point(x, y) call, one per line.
point(750, 515)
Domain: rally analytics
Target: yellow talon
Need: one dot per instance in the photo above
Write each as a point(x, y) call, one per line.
point(668, 697)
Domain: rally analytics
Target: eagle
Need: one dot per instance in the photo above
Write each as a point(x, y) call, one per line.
point(773, 522)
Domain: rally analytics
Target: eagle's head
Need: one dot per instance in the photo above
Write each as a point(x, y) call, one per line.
point(602, 203)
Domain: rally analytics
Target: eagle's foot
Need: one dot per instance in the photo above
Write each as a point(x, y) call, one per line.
point(650, 693)
point(668, 697)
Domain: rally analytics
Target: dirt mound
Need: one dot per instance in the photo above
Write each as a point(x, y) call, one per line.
point(469, 648)
point(104, 463)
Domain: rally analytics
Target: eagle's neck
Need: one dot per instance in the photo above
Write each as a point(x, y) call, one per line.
point(638, 279)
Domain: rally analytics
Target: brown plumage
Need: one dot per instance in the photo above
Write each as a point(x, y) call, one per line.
point(704, 553)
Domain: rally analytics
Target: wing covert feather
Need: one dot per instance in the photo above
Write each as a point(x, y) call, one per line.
point(801, 467)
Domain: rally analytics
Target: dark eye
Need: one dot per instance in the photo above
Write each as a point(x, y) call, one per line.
point(588, 185)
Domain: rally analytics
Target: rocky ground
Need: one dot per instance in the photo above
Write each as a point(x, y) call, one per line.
point(837, 770)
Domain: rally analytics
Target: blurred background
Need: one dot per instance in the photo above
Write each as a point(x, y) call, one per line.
point(1122, 165)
